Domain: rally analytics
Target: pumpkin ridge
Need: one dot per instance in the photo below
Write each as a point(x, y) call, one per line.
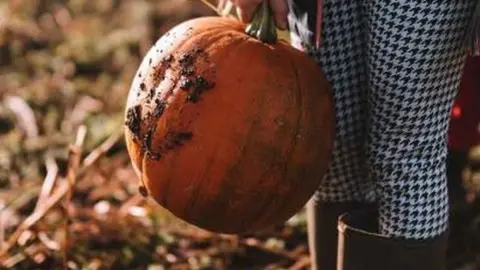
point(296, 187)
point(184, 104)
point(300, 90)
point(229, 191)
point(255, 122)
point(181, 100)
point(290, 153)
point(228, 185)
point(143, 185)
point(153, 123)
point(197, 185)
point(145, 155)
point(164, 137)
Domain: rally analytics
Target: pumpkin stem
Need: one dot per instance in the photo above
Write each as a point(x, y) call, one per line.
point(263, 25)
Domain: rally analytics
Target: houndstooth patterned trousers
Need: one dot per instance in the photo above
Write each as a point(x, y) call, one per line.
point(395, 67)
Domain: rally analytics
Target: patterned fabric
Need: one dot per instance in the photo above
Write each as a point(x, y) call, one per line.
point(395, 68)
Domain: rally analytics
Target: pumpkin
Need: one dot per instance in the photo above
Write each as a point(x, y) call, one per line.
point(229, 131)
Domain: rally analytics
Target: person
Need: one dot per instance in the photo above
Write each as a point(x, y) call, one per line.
point(395, 68)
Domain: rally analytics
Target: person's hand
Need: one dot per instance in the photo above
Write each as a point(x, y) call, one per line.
point(246, 9)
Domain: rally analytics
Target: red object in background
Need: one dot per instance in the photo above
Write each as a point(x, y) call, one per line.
point(465, 119)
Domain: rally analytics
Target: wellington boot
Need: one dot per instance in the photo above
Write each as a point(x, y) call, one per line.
point(360, 247)
point(322, 231)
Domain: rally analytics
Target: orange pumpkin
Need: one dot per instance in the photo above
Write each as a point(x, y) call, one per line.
point(227, 132)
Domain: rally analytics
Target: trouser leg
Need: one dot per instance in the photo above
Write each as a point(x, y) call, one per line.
point(342, 58)
point(415, 60)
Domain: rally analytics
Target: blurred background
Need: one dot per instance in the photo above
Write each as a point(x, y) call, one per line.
point(68, 195)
